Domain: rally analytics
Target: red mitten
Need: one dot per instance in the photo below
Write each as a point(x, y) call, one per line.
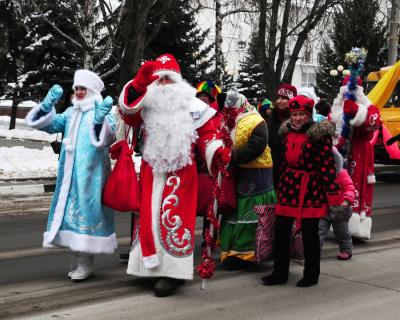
point(144, 77)
point(350, 107)
point(221, 159)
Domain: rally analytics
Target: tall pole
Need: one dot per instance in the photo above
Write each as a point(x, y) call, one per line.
point(219, 59)
point(393, 32)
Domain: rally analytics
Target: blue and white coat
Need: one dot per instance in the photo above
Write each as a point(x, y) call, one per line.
point(77, 218)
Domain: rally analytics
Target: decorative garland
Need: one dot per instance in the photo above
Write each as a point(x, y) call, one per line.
point(207, 267)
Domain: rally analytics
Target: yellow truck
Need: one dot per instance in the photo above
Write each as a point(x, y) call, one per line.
point(383, 90)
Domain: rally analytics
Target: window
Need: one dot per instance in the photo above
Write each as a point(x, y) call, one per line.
point(308, 79)
point(241, 45)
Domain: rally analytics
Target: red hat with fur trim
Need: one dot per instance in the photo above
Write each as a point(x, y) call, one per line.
point(166, 63)
point(287, 91)
point(301, 103)
point(346, 79)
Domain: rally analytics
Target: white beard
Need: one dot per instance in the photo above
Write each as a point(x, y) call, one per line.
point(337, 106)
point(168, 126)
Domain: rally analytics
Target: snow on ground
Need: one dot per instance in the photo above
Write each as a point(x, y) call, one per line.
point(19, 162)
point(23, 163)
point(22, 131)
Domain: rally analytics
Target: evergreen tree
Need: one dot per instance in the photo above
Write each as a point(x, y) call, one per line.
point(327, 85)
point(181, 36)
point(249, 81)
point(356, 25)
point(48, 58)
point(12, 33)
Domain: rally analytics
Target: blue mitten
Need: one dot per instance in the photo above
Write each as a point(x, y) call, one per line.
point(101, 110)
point(51, 98)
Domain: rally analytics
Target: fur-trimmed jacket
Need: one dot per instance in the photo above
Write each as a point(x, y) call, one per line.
point(308, 180)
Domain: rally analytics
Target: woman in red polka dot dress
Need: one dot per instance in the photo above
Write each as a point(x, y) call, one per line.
point(306, 187)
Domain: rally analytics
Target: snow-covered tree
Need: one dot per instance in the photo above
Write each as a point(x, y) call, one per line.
point(328, 85)
point(250, 79)
point(181, 36)
point(12, 32)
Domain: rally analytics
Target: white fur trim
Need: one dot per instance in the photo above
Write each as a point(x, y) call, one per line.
point(371, 179)
point(337, 107)
point(89, 80)
point(42, 121)
point(360, 116)
point(106, 137)
point(81, 242)
point(211, 147)
point(151, 262)
point(124, 108)
point(70, 141)
point(355, 225)
point(205, 112)
point(174, 76)
point(65, 183)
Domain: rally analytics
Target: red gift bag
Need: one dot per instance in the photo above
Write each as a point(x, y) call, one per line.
point(205, 194)
point(121, 191)
point(265, 231)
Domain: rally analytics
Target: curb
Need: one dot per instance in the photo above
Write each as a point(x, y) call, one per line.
point(26, 189)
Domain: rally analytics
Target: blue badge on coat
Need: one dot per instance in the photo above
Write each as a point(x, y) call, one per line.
point(195, 115)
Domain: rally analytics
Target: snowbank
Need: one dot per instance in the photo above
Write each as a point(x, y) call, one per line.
point(19, 162)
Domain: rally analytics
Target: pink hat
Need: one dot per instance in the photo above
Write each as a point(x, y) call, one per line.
point(287, 91)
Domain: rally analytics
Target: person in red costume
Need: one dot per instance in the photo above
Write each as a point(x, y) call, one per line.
point(364, 120)
point(175, 125)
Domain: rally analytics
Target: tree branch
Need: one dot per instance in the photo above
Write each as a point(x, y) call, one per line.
point(47, 20)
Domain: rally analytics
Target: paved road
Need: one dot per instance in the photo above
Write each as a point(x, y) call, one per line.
point(34, 280)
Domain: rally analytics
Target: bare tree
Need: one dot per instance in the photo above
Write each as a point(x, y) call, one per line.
point(296, 21)
point(224, 9)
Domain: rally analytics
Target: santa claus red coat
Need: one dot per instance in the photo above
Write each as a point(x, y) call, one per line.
point(175, 123)
point(361, 158)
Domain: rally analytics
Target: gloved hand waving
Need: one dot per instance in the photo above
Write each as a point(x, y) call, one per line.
point(51, 98)
point(144, 77)
point(101, 110)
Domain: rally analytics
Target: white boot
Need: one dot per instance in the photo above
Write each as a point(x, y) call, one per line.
point(74, 264)
point(85, 267)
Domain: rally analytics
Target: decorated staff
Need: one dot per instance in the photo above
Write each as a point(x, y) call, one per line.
point(355, 58)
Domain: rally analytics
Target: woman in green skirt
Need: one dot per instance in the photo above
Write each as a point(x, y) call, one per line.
point(252, 164)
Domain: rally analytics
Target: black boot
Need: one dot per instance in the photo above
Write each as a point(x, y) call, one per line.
point(235, 263)
point(166, 286)
point(274, 279)
point(307, 282)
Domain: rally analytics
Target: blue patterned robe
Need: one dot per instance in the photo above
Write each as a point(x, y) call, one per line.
point(77, 219)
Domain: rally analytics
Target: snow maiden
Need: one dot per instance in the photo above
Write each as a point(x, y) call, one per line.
point(77, 219)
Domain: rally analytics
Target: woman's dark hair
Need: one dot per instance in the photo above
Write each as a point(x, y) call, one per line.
point(323, 107)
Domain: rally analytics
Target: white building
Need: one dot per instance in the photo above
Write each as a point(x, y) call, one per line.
point(236, 32)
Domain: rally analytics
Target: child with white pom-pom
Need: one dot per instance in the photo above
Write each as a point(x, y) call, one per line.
point(77, 219)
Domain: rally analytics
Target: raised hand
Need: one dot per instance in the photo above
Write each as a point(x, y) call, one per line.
point(144, 77)
point(101, 110)
point(51, 98)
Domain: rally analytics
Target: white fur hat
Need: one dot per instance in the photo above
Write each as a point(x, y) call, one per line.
point(308, 92)
point(89, 80)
